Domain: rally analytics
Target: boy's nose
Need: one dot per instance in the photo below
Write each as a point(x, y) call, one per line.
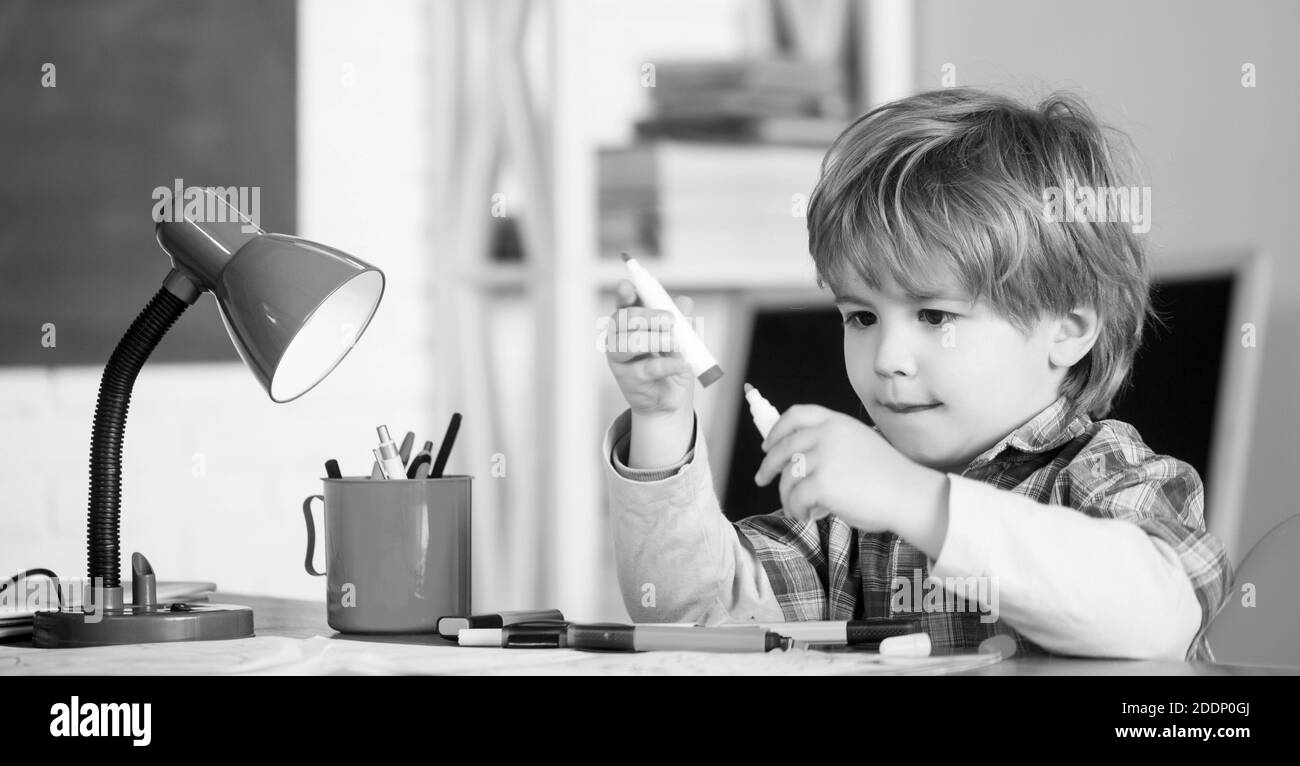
point(895, 354)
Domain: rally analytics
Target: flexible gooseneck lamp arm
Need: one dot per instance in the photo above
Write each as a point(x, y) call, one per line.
point(175, 296)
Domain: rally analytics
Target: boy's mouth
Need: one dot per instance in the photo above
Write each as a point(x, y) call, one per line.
point(903, 409)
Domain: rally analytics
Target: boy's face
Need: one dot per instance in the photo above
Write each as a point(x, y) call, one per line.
point(981, 376)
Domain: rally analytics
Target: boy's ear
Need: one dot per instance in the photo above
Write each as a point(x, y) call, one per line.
point(1073, 337)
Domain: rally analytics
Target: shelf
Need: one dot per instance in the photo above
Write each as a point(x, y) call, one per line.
point(718, 275)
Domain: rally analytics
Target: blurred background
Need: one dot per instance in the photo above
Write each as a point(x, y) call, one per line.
point(493, 158)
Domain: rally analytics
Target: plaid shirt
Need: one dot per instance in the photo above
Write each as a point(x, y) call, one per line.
point(828, 570)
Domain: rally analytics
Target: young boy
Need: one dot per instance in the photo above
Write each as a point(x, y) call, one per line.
point(983, 331)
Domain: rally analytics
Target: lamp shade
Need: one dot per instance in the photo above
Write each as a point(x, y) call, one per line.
point(293, 308)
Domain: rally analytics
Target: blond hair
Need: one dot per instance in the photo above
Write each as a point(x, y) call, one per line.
point(954, 181)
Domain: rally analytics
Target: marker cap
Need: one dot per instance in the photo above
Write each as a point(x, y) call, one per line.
point(914, 645)
point(1000, 644)
point(479, 637)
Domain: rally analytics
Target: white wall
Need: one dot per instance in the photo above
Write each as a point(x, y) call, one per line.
point(1222, 159)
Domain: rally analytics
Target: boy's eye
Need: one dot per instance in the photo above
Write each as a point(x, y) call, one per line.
point(858, 318)
point(932, 317)
point(935, 317)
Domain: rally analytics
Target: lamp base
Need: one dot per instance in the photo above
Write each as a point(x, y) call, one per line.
point(141, 625)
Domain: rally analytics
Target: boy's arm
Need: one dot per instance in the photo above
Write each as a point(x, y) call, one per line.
point(1129, 572)
point(679, 558)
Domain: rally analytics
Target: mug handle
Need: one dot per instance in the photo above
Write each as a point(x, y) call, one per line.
point(311, 534)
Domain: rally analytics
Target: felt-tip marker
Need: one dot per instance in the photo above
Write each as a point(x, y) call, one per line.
point(654, 296)
point(450, 627)
point(626, 638)
point(859, 633)
point(761, 410)
point(765, 417)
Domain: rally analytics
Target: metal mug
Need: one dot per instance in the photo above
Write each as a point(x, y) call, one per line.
point(397, 552)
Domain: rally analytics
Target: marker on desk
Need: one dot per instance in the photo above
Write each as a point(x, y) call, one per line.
point(419, 467)
point(450, 627)
point(625, 638)
point(653, 295)
point(390, 462)
point(444, 451)
point(864, 634)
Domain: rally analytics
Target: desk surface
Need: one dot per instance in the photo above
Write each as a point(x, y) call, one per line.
point(304, 619)
point(278, 618)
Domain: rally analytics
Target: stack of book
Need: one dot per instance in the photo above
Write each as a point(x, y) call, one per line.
point(725, 164)
point(770, 100)
point(689, 201)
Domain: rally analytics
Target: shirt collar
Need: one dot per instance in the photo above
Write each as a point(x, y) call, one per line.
point(1053, 426)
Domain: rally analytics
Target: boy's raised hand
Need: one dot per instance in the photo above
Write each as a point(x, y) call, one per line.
point(642, 353)
point(832, 463)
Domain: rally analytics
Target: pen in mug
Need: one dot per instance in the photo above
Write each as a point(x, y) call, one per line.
point(404, 452)
point(419, 467)
point(445, 450)
point(390, 462)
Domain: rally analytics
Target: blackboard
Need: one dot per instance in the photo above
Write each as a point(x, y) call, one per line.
point(145, 92)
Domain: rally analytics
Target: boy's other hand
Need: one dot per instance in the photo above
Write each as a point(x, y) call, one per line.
point(641, 350)
point(832, 463)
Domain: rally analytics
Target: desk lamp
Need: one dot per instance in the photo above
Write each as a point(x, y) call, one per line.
point(293, 309)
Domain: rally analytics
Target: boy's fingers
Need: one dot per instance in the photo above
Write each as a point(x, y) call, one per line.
point(662, 367)
point(796, 417)
point(626, 294)
point(801, 498)
point(640, 334)
point(789, 502)
point(641, 318)
point(685, 305)
point(799, 444)
point(667, 342)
